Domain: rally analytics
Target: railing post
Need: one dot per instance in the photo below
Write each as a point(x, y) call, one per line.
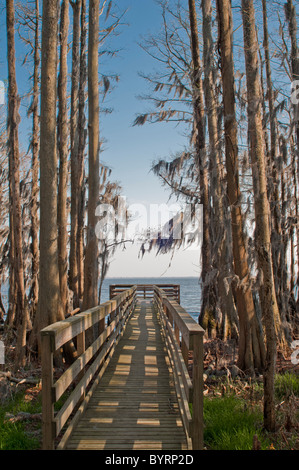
point(80, 351)
point(197, 378)
point(185, 351)
point(111, 291)
point(47, 402)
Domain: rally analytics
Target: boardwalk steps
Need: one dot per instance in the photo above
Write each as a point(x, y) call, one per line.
point(141, 391)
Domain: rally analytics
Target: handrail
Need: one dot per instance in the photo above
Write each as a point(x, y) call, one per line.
point(183, 336)
point(146, 291)
point(87, 363)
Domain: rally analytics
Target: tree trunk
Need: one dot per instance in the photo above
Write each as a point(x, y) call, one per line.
point(208, 290)
point(268, 301)
point(91, 257)
point(21, 318)
point(63, 160)
point(277, 244)
point(220, 238)
point(81, 152)
point(74, 151)
point(251, 348)
point(290, 11)
point(35, 170)
point(49, 310)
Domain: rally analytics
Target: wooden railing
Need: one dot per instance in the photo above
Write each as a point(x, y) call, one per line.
point(184, 339)
point(146, 291)
point(90, 363)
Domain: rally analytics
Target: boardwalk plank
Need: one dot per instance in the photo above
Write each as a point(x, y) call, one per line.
point(134, 405)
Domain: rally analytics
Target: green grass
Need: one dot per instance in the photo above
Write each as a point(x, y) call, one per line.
point(286, 385)
point(230, 425)
point(231, 420)
point(18, 436)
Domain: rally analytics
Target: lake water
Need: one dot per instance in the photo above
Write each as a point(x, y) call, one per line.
point(190, 290)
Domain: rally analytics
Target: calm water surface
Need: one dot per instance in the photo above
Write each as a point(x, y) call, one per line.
point(190, 290)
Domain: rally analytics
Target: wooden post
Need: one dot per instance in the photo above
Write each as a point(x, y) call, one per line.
point(48, 424)
point(177, 333)
point(185, 351)
point(81, 350)
point(197, 377)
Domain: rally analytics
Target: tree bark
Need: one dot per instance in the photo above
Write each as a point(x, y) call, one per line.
point(91, 257)
point(49, 290)
point(290, 11)
point(21, 317)
point(81, 152)
point(35, 170)
point(208, 294)
point(277, 244)
point(251, 348)
point(63, 160)
point(74, 151)
point(220, 238)
point(268, 301)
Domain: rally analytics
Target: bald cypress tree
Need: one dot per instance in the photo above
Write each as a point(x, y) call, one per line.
point(262, 208)
point(74, 141)
point(208, 294)
point(251, 347)
point(91, 276)
point(16, 248)
point(63, 132)
point(49, 309)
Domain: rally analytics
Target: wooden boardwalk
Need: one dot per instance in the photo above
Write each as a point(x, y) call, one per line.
point(135, 404)
point(129, 386)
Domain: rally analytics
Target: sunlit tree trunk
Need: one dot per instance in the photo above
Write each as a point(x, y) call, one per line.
point(220, 249)
point(81, 151)
point(49, 309)
point(63, 128)
point(74, 151)
point(91, 276)
point(208, 293)
point(268, 301)
point(251, 350)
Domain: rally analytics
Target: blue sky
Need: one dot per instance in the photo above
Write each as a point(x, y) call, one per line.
point(128, 150)
point(131, 150)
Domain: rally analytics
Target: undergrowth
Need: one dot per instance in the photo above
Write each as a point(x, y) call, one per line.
point(230, 425)
point(23, 434)
point(233, 417)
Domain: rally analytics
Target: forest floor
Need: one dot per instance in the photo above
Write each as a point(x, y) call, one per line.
point(225, 386)
point(233, 403)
